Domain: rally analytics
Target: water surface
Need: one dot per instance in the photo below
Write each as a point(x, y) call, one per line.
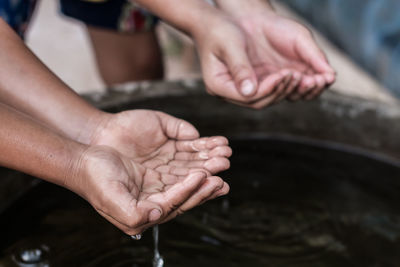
point(291, 204)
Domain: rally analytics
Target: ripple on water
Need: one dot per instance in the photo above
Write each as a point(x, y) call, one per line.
point(290, 204)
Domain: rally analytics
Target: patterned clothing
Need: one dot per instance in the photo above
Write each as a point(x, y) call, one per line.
point(368, 30)
point(17, 13)
point(120, 15)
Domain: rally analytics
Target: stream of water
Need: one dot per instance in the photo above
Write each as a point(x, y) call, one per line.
point(158, 260)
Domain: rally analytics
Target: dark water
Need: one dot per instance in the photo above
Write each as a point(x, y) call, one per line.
point(291, 204)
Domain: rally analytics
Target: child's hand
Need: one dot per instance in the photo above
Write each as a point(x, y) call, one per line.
point(254, 57)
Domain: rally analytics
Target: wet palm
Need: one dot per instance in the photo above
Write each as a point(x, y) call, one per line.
point(162, 142)
point(148, 167)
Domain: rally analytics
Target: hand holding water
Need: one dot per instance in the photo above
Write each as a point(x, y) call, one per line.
point(145, 167)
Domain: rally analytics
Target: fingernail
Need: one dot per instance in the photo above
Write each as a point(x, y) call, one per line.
point(192, 145)
point(247, 87)
point(154, 215)
point(203, 155)
point(202, 142)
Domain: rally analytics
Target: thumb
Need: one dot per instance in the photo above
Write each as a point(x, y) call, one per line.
point(240, 68)
point(310, 52)
point(177, 128)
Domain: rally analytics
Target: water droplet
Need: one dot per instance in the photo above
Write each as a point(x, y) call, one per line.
point(32, 257)
point(136, 237)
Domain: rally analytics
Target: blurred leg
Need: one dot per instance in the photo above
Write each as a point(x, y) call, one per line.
point(123, 57)
point(123, 38)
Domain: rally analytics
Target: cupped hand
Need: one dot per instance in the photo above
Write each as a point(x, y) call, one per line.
point(260, 59)
point(278, 46)
point(162, 142)
point(167, 156)
point(226, 67)
point(134, 197)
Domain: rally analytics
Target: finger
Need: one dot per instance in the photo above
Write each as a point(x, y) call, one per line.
point(128, 227)
point(173, 170)
point(269, 86)
point(296, 79)
point(329, 78)
point(211, 185)
point(239, 66)
point(309, 51)
point(125, 208)
point(320, 86)
point(295, 95)
point(306, 84)
point(286, 89)
point(266, 92)
point(218, 80)
point(221, 192)
point(201, 144)
point(280, 90)
point(213, 165)
point(284, 84)
point(291, 90)
point(181, 172)
point(219, 151)
point(177, 194)
point(124, 228)
point(176, 128)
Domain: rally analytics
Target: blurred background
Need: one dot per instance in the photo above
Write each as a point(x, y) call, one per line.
point(61, 43)
point(321, 185)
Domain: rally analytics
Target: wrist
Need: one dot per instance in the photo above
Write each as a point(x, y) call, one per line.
point(209, 21)
point(75, 169)
point(93, 124)
point(244, 8)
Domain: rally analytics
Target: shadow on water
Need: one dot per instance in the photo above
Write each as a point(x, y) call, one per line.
point(291, 204)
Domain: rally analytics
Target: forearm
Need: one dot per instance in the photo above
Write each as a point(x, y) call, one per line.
point(27, 146)
point(29, 86)
point(189, 16)
point(238, 8)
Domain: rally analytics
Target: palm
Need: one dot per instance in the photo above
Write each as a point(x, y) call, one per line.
point(280, 45)
point(163, 143)
point(149, 160)
point(279, 40)
point(134, 197)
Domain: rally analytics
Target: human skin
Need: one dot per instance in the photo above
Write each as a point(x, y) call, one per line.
point(250, 55)
point(28, 86)
point(133, 194)
point(222, 48)
point(126, 57)
point(279, 45)
point(112, 160)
